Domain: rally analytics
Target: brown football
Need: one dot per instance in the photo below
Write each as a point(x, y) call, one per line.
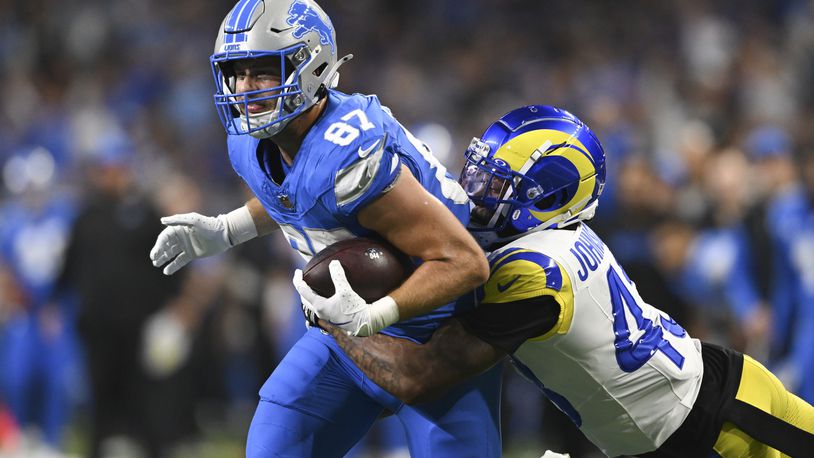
point(374, 268)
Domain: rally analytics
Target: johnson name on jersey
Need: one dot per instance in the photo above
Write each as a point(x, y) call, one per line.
point(621, 369)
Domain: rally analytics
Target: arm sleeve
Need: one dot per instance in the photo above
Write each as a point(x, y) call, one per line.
point(506, 326)
point(528, 295)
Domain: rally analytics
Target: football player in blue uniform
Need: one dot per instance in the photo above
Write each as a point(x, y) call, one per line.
point(325, 166)
point(38, 344)
point(561, 307)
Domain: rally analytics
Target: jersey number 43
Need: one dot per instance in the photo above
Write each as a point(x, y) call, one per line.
point(631, 355)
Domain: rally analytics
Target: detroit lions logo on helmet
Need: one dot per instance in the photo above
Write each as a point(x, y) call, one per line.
point(305, 19)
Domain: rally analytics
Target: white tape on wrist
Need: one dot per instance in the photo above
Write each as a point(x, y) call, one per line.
point(383, 313)
point(240, 225)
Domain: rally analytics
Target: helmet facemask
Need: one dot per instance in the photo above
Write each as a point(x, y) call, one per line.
point(496, 193)
point(505, 202)
point(287, 97)
point(296, 34)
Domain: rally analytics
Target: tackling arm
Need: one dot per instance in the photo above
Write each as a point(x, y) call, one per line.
point(417, 373)
point(461, 348)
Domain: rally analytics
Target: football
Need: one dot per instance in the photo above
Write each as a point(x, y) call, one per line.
point(373, 268)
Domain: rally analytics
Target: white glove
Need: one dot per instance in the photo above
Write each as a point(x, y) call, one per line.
point(346, 309)
point(191, 236)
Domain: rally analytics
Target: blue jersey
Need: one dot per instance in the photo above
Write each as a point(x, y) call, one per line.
point(349, 157)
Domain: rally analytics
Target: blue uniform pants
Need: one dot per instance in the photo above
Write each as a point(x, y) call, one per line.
point(38, 374)
point(318, 403)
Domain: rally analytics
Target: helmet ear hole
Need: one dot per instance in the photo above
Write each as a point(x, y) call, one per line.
point(318, 71)
point(547, 202)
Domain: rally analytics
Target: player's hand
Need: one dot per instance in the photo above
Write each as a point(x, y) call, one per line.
point(189, 236)
point(346, 309)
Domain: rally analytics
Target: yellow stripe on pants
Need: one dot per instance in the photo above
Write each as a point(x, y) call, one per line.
point(760, 388)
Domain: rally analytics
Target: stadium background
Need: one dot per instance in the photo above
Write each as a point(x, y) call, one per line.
point(704, 108)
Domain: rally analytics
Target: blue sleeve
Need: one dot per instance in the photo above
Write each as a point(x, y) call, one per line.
point(363, 175)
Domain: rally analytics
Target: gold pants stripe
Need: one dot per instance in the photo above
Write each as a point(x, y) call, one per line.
point(765, 419)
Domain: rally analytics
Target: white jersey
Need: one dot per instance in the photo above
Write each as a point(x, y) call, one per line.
point(623, 370)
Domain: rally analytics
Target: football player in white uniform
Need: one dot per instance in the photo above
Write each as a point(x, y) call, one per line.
point(560, 306)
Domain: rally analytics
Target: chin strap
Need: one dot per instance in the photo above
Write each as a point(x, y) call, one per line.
point(569, 218)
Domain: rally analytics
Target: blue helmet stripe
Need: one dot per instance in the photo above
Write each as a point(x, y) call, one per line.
point(239, 19)
point(235, 15)
point(231, 22)
point(246, 18)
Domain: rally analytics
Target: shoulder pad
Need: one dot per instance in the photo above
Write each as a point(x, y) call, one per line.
point(517, 274)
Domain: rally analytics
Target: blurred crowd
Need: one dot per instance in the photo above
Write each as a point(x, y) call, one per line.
point(705, 110)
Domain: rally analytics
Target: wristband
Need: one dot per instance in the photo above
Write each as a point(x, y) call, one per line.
point(383, 313)
point(239, 225)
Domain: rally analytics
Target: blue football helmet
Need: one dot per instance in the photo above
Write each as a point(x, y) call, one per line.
point(537, 167)
point(300, 35)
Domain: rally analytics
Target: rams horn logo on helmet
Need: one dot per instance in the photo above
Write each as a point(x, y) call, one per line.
point(536, 167)
point(305, 20)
